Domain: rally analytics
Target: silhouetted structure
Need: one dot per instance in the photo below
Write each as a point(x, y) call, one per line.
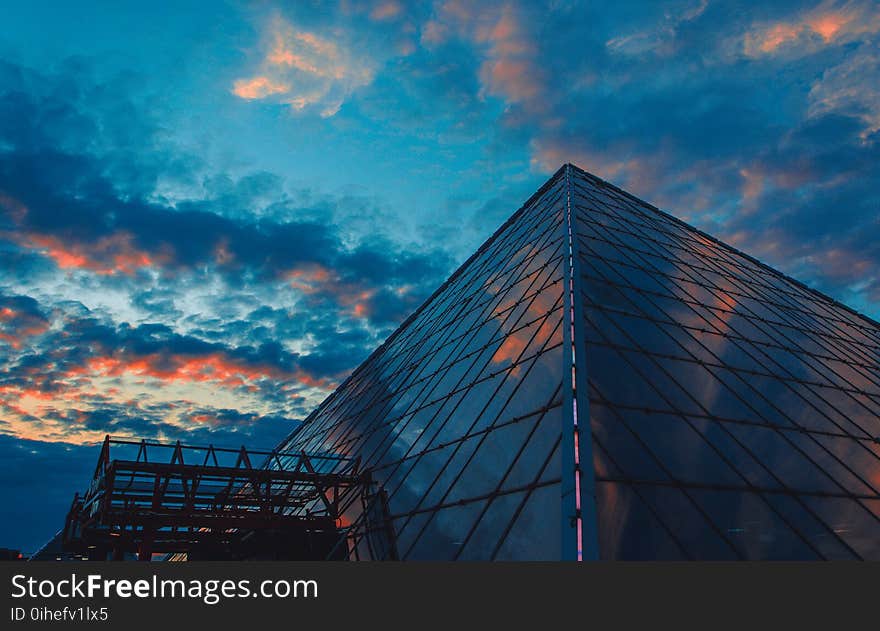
point(210, 503)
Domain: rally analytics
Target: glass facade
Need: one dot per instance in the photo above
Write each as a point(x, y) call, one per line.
point(728, 411)
point(458, 414)
point(735, 413)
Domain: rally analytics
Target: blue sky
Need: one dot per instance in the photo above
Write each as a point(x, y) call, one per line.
point(211, 212)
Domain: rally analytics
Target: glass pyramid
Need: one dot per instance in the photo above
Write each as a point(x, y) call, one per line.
point(602, 381)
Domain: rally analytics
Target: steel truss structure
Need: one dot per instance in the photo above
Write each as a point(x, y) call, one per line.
point(149, 498)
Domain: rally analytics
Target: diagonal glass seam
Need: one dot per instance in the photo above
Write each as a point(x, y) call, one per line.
point(581, 447)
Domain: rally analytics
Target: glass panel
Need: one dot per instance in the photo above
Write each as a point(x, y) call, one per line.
point(753, 526)
point(628, 530)
point(852, 521)
point(452, 409)
point(699, 537)
point(532, 536)
point(694, 354)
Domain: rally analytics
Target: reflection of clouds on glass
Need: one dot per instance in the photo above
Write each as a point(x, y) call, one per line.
point(462, 403)
point(726, 390)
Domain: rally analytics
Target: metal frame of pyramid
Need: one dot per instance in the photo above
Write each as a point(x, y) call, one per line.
point(601, 365)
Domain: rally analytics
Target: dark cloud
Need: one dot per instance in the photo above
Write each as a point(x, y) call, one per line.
point(301, 302)
point(84, 212)
point(39, 480)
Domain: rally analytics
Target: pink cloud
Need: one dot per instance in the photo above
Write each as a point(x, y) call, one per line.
point(753, 183)
point(17, 327)
point(434, 32)
point(314, 279)
point(510, 77)
point(613, 164)
point(110, 255)
point(508, 69)
point(16, 210)
point(258, 88)
point(306, 70)
point(828, 23)
point(387, 10)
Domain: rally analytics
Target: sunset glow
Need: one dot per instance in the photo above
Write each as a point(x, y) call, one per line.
point(206, 225)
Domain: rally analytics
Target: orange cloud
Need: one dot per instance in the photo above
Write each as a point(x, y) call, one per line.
point(258, 88)
point(215, 367)
point(113, 254)
point(306, 52)
point(509, 69)
point(315, 279)
point(613, 165)
point(753, 183)
point(356, 301)
point(433, 33)
point(512, 78)
point(305, 70)
point(177, 387)
point(16, 327)
point(309, 278)
point(774, 36)
point(828, 23)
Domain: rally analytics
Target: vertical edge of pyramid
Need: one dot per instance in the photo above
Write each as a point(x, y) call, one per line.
point(579, 514)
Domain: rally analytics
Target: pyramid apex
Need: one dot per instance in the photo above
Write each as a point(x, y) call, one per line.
point(571, 165)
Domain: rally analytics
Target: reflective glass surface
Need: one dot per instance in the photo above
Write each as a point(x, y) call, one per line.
point(458, 415)
point(735, 413)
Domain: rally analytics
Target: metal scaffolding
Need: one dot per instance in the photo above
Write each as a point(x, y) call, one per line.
point(149, 498)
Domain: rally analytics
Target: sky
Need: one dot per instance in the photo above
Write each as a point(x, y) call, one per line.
point(211, 212)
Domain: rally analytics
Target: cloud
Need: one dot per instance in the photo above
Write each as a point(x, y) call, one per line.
point(386, 10)
point(508, 69)
point(20, 319)
point(81, 365)
point(147, 291)
point(306, 70)
point(258, 88)
point(659, 37)
point(62, 208)
point(233, 312)
point(808, 31)
point(771, 151)
point(851, 87)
